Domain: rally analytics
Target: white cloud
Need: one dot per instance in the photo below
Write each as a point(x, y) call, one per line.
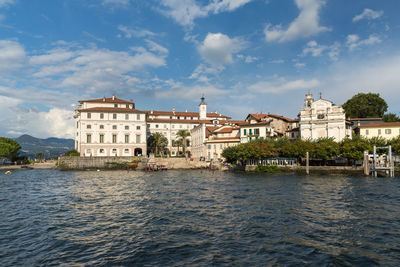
point(6, 2)
point(353, 41)
point(368, 14)
point(116, 2)
point(315, 49)
point(247, 59)
point(153, 46)
point(281, 85)
point(53, 123)
point(12, 56)
point(217, 48)
point(192, 92)
point(185, 12)
point(138, 33)
point(202, 71)
point(305, 25)
point(299, 65)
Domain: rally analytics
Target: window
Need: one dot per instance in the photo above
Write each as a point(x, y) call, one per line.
point(292, 135)
point(114, 116)
point(114, 150)
point(138, 117)
point(126, 127)
point(127, 138)
point(101, 139)
point(388, 131)
point(157, 126)
point(137, 127)
point(138, 139)
point(165, 126)
point(126, 116)
point(77, 134)
point(379, 131)
point(179, 117)
point(114, 127)
point(173, 126)
point(115, 105)
point(88, 138)
point(114, 138)
point(101, 115)
point(220, 146)
point(77, 124)
point(127, 105)
point(257, 131)
point(366, 132)
point(209, 146)
point(250, 132)
point(215, 146)
point(180, 126)
point(266, 130)
point(101, 150)
point(101, 127)
point(126, 150)
point(89, 115)
point(244, 132)
point(89, 151)
point(88, 126)
point(148, 125)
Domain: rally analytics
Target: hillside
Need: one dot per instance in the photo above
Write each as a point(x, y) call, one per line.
point(49, 147)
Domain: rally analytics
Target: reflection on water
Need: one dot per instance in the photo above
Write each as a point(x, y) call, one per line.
point(197, 218)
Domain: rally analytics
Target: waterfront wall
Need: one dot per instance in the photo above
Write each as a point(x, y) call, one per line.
point(82, 163)
point(316, 168)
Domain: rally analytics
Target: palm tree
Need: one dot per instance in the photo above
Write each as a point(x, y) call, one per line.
point(183, 134)
point(178, 143)
point(156, 141)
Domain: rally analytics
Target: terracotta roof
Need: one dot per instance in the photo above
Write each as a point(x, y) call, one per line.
point(224, 130)
point(210, 130)
point(184, 113)
point(364, 119)
point(226, 139)
point(258, 123)
point(235, 122)
point(260, 116)
point(115, 110)
point(179, 121)
point(107, 100)
point(381, 124)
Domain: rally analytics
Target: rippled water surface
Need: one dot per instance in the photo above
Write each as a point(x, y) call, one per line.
point(197, 218)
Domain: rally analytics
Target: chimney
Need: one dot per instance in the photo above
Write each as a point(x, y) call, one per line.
point(104, 99)
point(185, 110)
point(113, 97)
point(173, 110)
point(151, 111)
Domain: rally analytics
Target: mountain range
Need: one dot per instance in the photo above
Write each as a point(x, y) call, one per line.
point(50, 147)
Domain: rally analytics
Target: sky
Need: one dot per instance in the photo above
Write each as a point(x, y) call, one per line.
point(245, 56)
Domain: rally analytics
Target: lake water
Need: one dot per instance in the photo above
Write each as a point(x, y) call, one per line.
point(198, 218)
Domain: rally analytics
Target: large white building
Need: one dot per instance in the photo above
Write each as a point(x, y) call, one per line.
point(114, 127)
point(321, 118)
point(109, 127)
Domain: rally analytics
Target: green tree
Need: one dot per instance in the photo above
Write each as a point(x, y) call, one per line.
point(230, 153)
point(365, 106)
point(297, 149)
point(183, 134)
point(353, 149)
point(39, 155)
point(325, 149)
point(157, 142)
point(9, 148)
point(390, 117)
point(178, 143)
point(72, 153)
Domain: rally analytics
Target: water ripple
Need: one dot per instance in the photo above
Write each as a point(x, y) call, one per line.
point(195, 218)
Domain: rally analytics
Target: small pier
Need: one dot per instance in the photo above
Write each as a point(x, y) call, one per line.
point(378, 165)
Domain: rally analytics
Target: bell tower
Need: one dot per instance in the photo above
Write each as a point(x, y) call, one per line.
point(203, 109)
point(308, 101)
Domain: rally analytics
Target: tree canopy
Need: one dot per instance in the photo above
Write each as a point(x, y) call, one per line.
point(9, 148)
point(390, 117)
point(157, 142)
point(363, 105)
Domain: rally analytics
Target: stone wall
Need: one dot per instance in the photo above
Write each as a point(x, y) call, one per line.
point(82, 163)
point(317, 169)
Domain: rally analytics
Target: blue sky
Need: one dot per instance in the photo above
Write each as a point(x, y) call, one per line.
point(244, 55)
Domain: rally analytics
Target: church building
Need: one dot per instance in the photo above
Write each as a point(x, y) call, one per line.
point(321, 119)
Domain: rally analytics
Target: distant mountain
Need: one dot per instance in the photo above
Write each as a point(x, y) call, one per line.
point(49, 147)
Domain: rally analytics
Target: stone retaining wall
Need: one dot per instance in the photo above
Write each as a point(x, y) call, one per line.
point(317, 168)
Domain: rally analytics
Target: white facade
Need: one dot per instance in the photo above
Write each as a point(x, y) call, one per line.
point(321, 118)
point(168, 123)
point(109, 127)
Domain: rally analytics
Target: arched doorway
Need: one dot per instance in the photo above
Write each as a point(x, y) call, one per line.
point(138, 152)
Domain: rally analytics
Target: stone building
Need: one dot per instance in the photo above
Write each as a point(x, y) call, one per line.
point(109, 127)
point(386, 130)
point(322, 118)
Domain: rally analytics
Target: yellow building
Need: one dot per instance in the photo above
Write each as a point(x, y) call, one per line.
point(387, 130)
